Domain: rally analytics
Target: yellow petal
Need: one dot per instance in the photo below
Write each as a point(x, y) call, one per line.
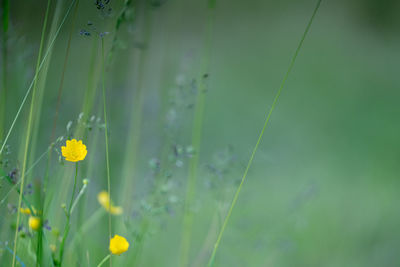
point(118, 245)
point(25, 211)
point(115, 210)
point(34, 223)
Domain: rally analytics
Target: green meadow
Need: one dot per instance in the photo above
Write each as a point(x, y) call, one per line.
point(199, 133)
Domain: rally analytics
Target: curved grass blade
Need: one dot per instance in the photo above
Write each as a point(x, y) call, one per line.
point(28, 131)
point(268, 115)
point(36, 75)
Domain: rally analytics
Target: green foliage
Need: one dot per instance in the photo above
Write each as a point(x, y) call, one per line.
point(169, 97)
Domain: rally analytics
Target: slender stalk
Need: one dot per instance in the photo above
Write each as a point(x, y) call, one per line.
point(80, 194)
point(46, 175)
point(106, 137)
point(35, 77)
point(53, 131)
point(57, 14)
point(39, 245)
point(268, 115)
point(104, 260)
point(67, 225)
point(196, 140)
point(36, 131)
point(28, 132)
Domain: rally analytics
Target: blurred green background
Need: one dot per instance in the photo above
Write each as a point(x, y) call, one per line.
point(323, 189)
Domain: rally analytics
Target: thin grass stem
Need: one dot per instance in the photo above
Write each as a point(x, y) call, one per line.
point(28, 132)
point(268, 115)
point(67, 224)
point(35, 77)
point(104, 260)
point(106, 138)
point(80, 194)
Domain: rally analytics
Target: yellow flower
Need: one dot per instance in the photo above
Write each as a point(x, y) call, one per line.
point(74, 150)
point(104, 200)
point(118, 245)
point(34, 223)
point(25, 211)
point(116, 210)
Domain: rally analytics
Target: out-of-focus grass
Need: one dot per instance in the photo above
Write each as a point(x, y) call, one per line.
point(323, 187)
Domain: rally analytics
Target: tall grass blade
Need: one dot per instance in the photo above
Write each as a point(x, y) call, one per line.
point(35, 77)
point(106, 138)
point(268, 115)
point(28, 132)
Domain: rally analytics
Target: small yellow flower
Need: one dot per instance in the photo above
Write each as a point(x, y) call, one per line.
point(74, 150)
point(115, 210)
point(25, 211)
point(34, 223)
point(118, 245)
point(104, 200)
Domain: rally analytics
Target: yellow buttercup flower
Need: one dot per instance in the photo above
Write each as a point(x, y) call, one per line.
point(34, 223)
point(104, 200)
point(25, 211)
point(74, 150)
point(116, 210)
point(118, 245)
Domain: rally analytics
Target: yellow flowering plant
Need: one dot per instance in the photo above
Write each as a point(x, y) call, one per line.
point(118, 245)
point(74, 150)
point(104, 199)
point(34, 223)
point(26, 211)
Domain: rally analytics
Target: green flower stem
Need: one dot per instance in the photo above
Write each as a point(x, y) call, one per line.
point(104, 260)
point(67, 225)
point(268, 115)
